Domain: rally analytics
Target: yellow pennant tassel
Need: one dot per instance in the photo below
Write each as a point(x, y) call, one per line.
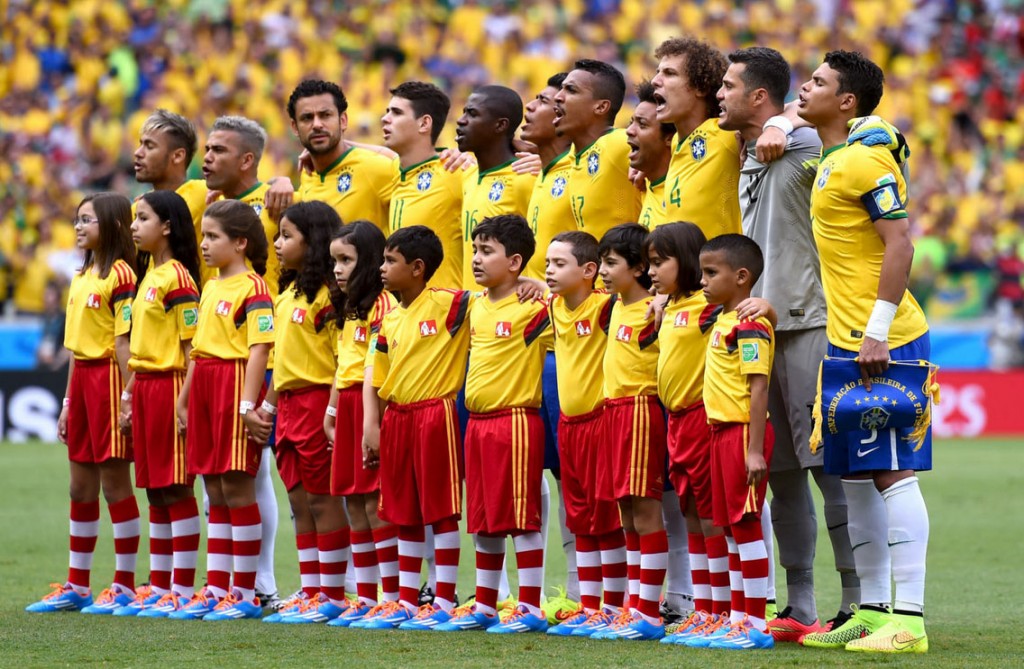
point(816, 416)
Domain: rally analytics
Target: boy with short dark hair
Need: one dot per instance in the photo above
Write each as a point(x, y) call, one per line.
point(737, 368)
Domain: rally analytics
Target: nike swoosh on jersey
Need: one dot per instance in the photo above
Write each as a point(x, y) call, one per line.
point(861, 454)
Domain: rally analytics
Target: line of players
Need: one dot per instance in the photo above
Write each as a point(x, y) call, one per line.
point(586, 183)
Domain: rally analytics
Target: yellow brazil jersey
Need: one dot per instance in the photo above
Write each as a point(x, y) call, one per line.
point(855, 186)
point(428, 194)
point(653, 212)
point(492, 192)
point(550, 211)
point(602, 195)
point(737, 349)
point(421, 350)
point(508, 344)
point(581, 338)
point(631, 358)
point(194, 193)
point(164, 314)
point(234, 314)
point(683, 338)
point(357, 185)
point(305, 340)
point(355, 339)
point(99, 309)
point(254, 198)
point(704, 180)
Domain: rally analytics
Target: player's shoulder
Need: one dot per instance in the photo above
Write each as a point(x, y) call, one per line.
point(760, 327)
point(122, 272)
point(727, 139)
point(257, 285)
point(193, 191)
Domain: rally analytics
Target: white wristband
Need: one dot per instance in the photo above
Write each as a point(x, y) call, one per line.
point(331, 411)
point(780, 122)
point(66, 402)
point(269, 408)
point(245, 407)
point(881, 320)
point(126, 396)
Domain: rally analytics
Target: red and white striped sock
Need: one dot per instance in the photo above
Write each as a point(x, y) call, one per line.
point(699, 571)
point(588, 565)
point(530, 564)
point(386, 541)
point(613, 568)
point(185, 538)
point(754, 566)
point(161, 549)
point(490, 558)
point(246, 537)
point(447, 545)
point(718, 573)
point(653, 563)
point(364, 564)
point(410, 563)
point(633, 568)
point(309, 563)
point(737, 605)
point(84, 528)
point(218, 551)
point(125, 517)
point(334, 549)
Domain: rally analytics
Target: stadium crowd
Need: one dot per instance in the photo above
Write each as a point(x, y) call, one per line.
point(78, 78)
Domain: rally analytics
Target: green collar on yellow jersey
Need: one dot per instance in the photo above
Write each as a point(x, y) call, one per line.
point(323, 175)
point(243, 195)
point(656, 182)
point(832, 149)
point(557, 159)
point(402, 171)
point(587, 147)
point(482, 173)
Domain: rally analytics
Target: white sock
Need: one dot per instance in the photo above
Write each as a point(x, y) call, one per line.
point(869, 536)
point(678, 580)
point(428, 557)
point(572, 580)
point(908, 542)
point(266, 582)
point(769, 546)
point(545, 525)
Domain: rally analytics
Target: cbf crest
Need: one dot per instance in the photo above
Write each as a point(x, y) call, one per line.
point(558, 187)
point(424, 180)
point(257, 207)
point(823, 175)
point(496, 191)
point(699, 148)
point(344, 182)
point(593, 163)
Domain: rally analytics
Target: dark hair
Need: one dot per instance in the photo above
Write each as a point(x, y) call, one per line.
point(365, 284)
point(426, 100)
point(584, 246)
point(627, 240)
point(645, 93)
point(682, 241)
point(555, 80)
point(239, 221)
point(418, 242)
point(765, 68)
point(318, 223)
point(114, 220)
point(859, 76)
point(609, 84)
point(313, 87)
point(503, 102)
point(705, 67)
point(172, 209)
point(511, 231)
point(740, 251)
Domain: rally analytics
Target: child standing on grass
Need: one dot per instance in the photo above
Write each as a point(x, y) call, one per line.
point(99, 317)
point(164, 316)
point(216, 407)
point(358, 251)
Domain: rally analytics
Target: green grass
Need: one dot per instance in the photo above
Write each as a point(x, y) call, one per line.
point(974, 591)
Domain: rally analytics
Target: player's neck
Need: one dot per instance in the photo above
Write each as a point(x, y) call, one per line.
point(549, 151)
point(499, 292)
point(244, 185)
point(689, 123)
point(588, 136)
point(417, 154)
point(634, 294)
point(734, 301)
point(234, 268)
point(574, 298)
point(161, 256)
point(657, 172)
point(170, 182)
point(833, 132)
point(493, 156)
point(408, 295)
point(755, 126)
point(322, 161)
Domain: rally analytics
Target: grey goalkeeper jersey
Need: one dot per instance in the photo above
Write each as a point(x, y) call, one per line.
point(776, 203)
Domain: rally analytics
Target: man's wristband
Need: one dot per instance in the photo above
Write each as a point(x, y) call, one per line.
point(780, 122)
point(881, 320)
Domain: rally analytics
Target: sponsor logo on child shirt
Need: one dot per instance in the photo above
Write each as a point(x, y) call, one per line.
point(503, 329)
point(682, 319)
point(299, 315)
point(624, 333)
point(428, 328)
point(93, 301)
point(360, 335)
point(583, 328)
point(223, 308)
point(151, 295)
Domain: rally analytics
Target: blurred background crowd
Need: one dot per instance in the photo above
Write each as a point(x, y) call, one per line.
point(77, 78)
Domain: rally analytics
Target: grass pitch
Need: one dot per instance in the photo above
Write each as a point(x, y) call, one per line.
point(974, 591)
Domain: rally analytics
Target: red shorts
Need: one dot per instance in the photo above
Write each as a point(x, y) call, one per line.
point(95, 404)
point(689, 456)
point(420, 463)
point(504, 466)
point(348, 476)
point(579, 443)
point(634, 459)
point(159, 448)
point(303, 452)
point(732, 498)
point(216, 441)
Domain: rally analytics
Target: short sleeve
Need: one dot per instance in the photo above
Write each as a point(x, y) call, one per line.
point(258, 313)
point(876, 180)
point(184, 302)
point(377, 356)
point(121, 297)
point(754, 341)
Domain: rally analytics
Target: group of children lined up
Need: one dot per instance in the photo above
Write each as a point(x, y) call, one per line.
point(367, 366)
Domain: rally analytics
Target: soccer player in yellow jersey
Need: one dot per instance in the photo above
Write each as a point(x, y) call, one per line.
point(167, 144)
point(634, 463)
point(487, 128)
point(419, 366)
point(650, 144)
point(425, 192)
point(580, 318)
point(860, 223)
point(99, 316)
point(600, 190)
point(737, 368)
point(356, 181)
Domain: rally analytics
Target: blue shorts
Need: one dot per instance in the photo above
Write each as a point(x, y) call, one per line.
point(549, 412)
point(889, 450)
